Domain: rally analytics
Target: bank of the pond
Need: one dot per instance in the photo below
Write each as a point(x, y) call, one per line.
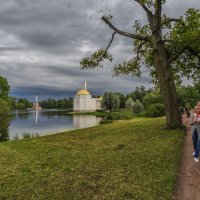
point(109, 115)
point(134, 159)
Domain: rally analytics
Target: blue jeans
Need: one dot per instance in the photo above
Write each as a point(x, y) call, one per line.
point(196, 155)
point(194, 138)
point(197, 146)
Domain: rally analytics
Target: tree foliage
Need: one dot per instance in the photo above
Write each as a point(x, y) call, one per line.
point(152, 98)
point(4, 98)
point(168, 47)
point(110, 102)
point(155, 110)
point(188, 95)
point(4, 88)
point(129, 104)
point(138, 93)
point(138, 107)
point(60, 103)
point(26, 102)
point(4, 127)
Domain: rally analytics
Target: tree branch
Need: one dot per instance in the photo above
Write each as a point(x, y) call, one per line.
point(130, 35)
point(194, 52)
point(149, 13)
point(176, 55)
point(138, 50)
point(113, 35)
point(158, 13)
point(170, 20)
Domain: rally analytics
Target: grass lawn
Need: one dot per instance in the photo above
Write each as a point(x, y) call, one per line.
point(114, 115)
point(135, 159)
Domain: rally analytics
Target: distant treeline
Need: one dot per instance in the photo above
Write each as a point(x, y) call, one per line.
point(60, 103)
point(149, 102)
point(140, 100)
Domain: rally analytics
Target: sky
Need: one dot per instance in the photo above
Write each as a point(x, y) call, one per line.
point(43, 41)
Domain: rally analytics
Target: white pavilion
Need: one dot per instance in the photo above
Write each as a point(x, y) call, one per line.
point(83, 101)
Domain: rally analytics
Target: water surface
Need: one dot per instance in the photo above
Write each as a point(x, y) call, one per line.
point(42, 122)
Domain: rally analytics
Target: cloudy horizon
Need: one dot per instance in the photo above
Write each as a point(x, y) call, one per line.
point(43, 41)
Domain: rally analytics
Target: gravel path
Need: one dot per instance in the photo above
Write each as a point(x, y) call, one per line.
point(188, 182)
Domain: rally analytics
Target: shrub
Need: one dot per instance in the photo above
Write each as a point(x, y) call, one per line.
point(138, 107)
point(155, 110)
point(152, 98)
point(99, 110)
point(129, 104)
point(4, 107)
point(106, 121)
point(20, 106)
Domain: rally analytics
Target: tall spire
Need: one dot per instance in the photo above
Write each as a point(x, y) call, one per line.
point(36, 99)
point(85, 86)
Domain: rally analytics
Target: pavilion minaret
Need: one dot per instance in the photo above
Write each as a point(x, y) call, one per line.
point(36, 105)
point(85, 86)
point(36, 100)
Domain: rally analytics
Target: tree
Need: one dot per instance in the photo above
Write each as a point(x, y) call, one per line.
point(138, 107)
point(122, 100)
point(20, 106)
point(155, 110)
point(110, 102)
point(4, 99)
point(129, 104)
point(169, 54)
point(4, 127)
point(152, 98)
point(4, 106)
point(188, 95)
point(4, 88)
point(27, 104)
point(138, 93)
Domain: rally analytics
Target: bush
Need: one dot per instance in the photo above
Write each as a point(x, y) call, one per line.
point(155, 110)
point(152, 98)
point(20, 106)
point(110, 102)
point(138, 107)
point(129, 104)
point(4, 107)
point(106, 121)
point(99, 110)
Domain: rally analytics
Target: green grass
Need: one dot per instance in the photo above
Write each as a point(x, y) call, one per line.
point(123, 115)
point(135, 159)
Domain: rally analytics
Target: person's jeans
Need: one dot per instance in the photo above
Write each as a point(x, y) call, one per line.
point(196, 133)
point(194, 138)
point(196, 155)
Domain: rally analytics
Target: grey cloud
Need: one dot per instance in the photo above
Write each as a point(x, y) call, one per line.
point(43, 42)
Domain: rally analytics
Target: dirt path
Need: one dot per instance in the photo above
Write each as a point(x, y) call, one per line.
point(188, 182)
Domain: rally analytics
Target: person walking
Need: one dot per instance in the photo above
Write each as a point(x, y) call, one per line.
point(196, 129)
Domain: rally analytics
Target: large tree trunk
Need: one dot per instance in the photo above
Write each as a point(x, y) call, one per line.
point(167, 86)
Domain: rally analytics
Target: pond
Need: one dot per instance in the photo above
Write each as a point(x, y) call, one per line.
point(40, 123)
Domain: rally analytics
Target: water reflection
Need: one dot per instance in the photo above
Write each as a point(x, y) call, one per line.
point(42, 122)
point(22, 114)
point(36, 116)
point(4, 127)
point(85, 121)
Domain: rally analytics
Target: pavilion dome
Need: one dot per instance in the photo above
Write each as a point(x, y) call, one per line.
point(82, 92)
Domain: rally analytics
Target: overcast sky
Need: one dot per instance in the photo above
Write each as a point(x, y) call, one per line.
point(43, 41)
